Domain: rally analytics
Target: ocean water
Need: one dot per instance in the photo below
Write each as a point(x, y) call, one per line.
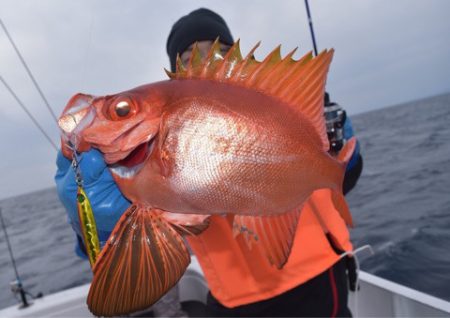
point(401, 207)
point(43, 246)
point(401, 204)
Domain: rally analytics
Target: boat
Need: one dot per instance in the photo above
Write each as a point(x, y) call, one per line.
point(376, 297)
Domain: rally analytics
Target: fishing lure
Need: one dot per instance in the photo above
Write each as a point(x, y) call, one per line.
point(86, 216)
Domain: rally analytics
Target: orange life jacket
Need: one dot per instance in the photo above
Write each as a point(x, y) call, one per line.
point(238, 276)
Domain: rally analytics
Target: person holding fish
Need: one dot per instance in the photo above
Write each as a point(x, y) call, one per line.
point(232, 154)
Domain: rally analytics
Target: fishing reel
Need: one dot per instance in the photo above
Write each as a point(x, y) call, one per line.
point(334, 118)
point(17, 289)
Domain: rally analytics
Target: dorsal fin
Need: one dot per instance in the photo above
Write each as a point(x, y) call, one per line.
point(298, 83)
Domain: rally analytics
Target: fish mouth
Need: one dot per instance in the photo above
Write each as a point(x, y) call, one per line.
point(77, 115)
point(129, 166)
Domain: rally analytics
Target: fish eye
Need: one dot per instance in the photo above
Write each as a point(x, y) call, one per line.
point(122, 109)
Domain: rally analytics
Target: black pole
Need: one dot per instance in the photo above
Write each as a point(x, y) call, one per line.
point(19, 282)
point(311, 27)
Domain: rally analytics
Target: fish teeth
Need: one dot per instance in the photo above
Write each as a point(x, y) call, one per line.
point(125, 172)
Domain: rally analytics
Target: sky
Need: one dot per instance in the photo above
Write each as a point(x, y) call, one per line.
point(386, 52)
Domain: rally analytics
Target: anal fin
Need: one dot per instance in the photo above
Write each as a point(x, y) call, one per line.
point(347, 151)
point(143, 258)
point(273, 235)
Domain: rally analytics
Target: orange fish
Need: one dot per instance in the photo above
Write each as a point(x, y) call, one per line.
point(226, 135)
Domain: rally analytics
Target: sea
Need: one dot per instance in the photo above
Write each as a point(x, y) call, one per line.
point(401, 208)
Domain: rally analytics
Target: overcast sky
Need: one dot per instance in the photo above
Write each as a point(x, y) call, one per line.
point(387, 52)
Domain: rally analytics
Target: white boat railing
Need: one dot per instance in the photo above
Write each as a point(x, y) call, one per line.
point(380, 297)
point(377, 297)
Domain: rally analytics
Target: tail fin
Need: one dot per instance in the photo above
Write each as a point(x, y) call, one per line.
point(341, 206)
point(337, 195)
point(143, 258)
point(347, 151)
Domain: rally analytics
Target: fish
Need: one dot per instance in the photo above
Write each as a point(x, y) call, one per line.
point(226, 135)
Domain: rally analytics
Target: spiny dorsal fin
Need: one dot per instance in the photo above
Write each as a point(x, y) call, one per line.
point(299, 83)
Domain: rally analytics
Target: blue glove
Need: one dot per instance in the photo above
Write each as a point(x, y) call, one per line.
point(107, 202)
point(348, 133)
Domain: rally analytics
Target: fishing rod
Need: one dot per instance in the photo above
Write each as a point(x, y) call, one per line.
point(334, 114)
point(335, 117)
point(18, 283)
point(311, 29)
point(85, 213)
point(16, 286)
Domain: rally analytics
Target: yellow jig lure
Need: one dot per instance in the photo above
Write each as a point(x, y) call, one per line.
point(88, 227)
point(86, 217)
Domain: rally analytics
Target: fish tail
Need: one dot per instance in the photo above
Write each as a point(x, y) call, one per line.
point(339, 165)
point(337, 194)
point(341, 206)
point(143, 258)
point(347, 151)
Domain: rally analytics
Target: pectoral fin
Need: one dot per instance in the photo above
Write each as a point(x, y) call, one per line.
point(143, 258)
point(347, 151)
point(273, 235)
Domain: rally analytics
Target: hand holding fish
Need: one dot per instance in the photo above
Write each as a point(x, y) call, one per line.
point(106, 199)
point(226, 135)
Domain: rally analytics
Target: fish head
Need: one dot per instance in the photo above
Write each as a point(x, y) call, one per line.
point(121, 126)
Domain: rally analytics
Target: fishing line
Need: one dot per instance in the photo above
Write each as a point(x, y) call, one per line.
point(28, 70)
point(28, 113)
point(88, 47)
point(86, 215)
point(354, 255)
